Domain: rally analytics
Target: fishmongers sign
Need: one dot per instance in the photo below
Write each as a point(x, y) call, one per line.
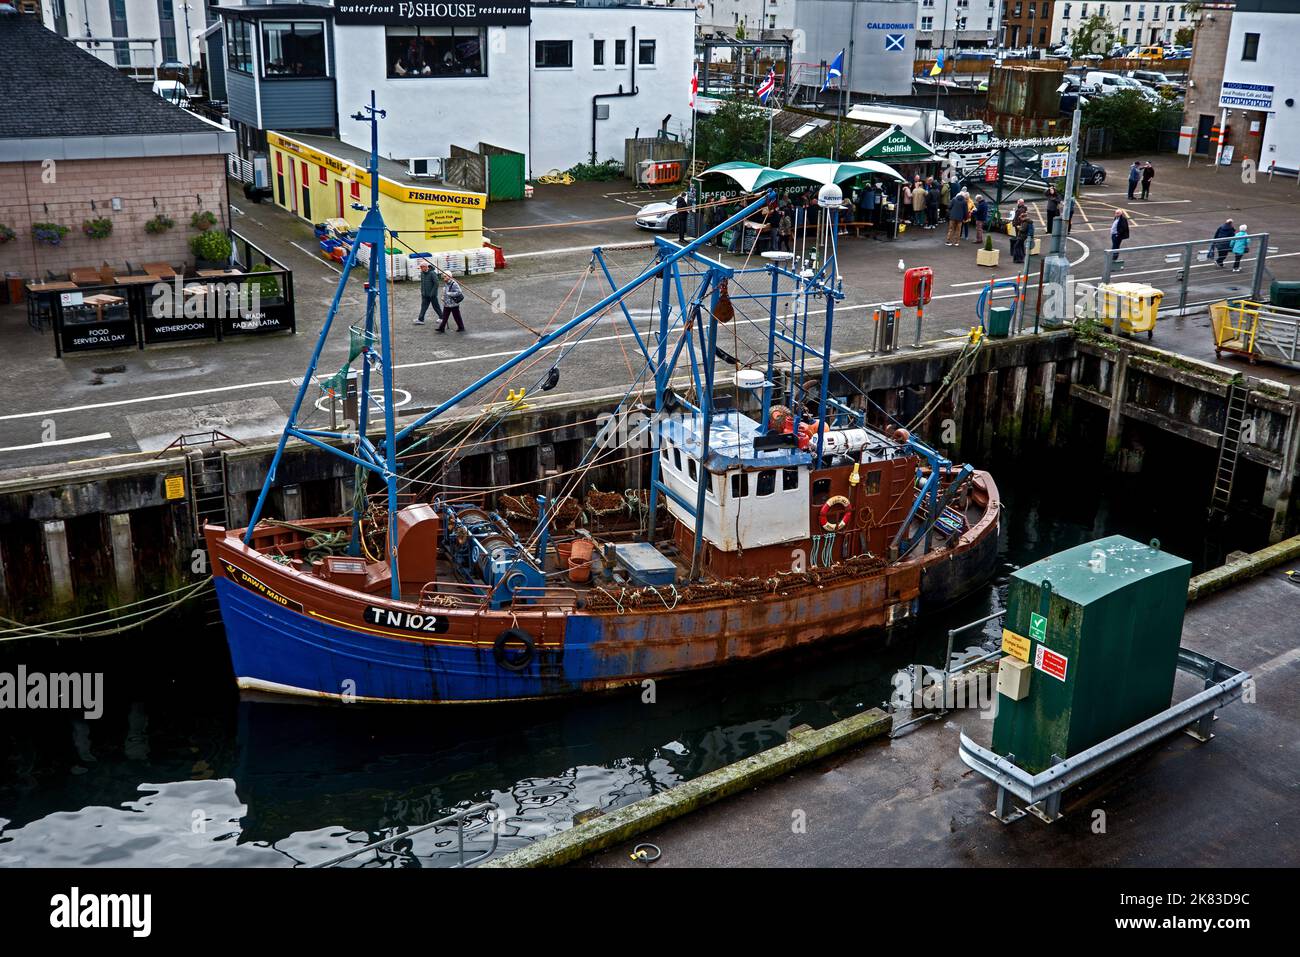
point(431, 13)
point(1251, 96)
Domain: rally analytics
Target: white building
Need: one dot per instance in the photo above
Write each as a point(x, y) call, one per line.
point(132, 33)
point(1134, 23)
point(1261, 78)
point(757, 16)
point(946, 24)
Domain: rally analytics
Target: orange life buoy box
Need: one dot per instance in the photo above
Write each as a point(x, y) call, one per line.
point(836, 501)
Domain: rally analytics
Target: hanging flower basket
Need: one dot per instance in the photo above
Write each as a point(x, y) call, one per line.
point(159, 225)
point(51, 234)
point(204, 220)
point(99, 228)
point(6, 234)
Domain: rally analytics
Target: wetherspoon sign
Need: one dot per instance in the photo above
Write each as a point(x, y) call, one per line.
point(396, 13)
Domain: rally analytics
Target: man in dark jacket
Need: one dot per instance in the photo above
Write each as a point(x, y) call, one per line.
point(1148, 174)
point(1118, 232)
point(1220, 249)
point(1134, 176)
point(1020, 226)
point(956, 216)
point(1053, 208)
point(428, 291)
point(932, 198)
point(683, 209)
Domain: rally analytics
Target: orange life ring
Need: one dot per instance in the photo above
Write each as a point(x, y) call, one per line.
point(842, 502)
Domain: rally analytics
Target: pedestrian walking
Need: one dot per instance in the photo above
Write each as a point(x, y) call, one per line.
point(455, 296)
point(428, 291)
point(932, 199)
point(1019, 231)
point(1118, 233)
point(1148, 174)
point(1134, 177)
point(1220, 249)
point(980, 217)
point(1240, 246)
point(956, 217)
point(1053, 208)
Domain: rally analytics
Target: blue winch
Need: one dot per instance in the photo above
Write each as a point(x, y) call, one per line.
point(483, 548)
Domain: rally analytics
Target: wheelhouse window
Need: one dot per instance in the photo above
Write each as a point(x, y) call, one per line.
point(421, 52)
point(239, 45)
point(739, 484)
point(766, 482)
point(789, 479)
point(554, 54)
point(293, 49)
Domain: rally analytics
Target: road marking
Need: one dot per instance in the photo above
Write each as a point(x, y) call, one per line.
point(40, 445)
point(316, 258)
point(580, 249)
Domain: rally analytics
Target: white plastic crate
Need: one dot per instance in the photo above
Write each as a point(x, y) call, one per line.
point(479, 261)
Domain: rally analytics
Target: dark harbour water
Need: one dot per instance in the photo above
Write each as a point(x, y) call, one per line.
point(180, 772)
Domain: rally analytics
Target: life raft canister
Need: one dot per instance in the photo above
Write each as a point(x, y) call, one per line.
point(836, 501)
point(519, 660)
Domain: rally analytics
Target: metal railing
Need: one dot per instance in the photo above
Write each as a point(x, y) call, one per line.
point(948, 671)
point(459, 818)
point(1042, 792)
point(1193, 265)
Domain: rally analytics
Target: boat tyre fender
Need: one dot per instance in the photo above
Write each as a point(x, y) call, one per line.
point(516, 661)
point(833, 502)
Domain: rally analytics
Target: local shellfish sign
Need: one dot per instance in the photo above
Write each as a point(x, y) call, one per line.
point(413, 12)
point(131, 911)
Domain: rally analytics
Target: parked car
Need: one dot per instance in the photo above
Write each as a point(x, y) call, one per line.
point(1150, 53)
point(1158, 81)
point(1090, 173)
point(173, 91)
point(657, 217)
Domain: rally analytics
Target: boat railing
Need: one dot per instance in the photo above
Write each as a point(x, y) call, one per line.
point(547, 600)
point(438, 594)
point(462, 821)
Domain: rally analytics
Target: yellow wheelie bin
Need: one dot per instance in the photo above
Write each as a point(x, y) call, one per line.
point(1135, 304)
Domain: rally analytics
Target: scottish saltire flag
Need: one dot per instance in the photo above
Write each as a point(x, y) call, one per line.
point(695, 85)
point(834, 71)
point(767, 86)
point(938, 65)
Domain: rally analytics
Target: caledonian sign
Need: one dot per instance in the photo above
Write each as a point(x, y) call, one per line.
point(407, 194)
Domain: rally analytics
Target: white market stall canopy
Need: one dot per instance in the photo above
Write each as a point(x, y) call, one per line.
point(751, 176)
point(822, 170)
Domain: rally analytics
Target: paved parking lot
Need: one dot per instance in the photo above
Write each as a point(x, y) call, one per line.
point(93, 405)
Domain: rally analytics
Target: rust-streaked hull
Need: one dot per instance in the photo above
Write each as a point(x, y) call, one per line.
point(292, 633)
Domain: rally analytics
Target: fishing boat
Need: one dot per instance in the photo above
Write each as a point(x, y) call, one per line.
point(776, 514)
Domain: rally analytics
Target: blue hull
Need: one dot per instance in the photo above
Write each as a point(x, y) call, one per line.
point(278, 650)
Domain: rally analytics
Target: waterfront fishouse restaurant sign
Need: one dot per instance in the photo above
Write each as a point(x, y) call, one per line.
point(398, 13)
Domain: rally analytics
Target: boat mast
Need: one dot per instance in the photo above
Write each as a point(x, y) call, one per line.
point(365, 456)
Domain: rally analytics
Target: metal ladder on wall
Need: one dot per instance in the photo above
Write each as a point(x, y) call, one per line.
point(206, 470)
point(1229, 448)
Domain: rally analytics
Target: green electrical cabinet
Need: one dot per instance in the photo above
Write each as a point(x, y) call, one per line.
point(1099, 626)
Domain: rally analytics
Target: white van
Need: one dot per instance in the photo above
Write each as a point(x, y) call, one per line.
point(173, 91)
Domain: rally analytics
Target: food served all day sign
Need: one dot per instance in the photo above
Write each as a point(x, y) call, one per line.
point(396, 13)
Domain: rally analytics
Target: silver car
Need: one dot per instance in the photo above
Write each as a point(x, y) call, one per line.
point(658, 217)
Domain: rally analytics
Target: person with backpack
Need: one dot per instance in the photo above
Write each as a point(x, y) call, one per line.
point(454, 297)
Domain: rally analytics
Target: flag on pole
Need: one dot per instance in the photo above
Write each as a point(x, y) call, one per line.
point(938, 65)
point(767, 86)
point(695, 85)
point(834, 71)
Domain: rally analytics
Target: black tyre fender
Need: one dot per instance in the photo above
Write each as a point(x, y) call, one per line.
point(514, 662)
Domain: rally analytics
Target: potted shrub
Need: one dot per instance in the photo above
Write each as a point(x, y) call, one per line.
point(211, 249)
point(100, 227)
point(6, 234)
point(268, 287)
point(203, 221)
point(159, 225)
point(51, 234)
point(988, 256)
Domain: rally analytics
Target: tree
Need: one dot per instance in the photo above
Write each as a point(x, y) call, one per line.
point(1096, 34)
point(1134, 121)
point(1183, 36)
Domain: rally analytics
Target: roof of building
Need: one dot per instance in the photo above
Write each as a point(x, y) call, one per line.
point(57, 89)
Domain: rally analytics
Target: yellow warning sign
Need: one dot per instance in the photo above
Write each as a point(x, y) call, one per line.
point(443, 223)
point(1015, 645)
point(174, 486)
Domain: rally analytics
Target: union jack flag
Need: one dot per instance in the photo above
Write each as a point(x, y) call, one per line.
point(767, 86)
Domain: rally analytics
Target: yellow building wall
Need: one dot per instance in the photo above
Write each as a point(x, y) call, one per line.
point(426, 219)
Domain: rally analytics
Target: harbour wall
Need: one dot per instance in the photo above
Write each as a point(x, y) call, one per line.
point(108, 534)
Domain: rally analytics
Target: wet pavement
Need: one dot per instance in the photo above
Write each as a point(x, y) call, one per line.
point(911, 801)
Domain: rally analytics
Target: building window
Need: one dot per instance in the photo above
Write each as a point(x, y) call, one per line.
point(169, 48)
point(1065, 12)
point(554, 54)
point(356, 189)
point(293, 49)
point(645, 52)
point(118, 9)
point(165, 11)
point(415, 52)
point(597, 52)
point(1128, 11)
point(927, 24)
point(771, 22)
point(1169, 13)
point(239, 45)
point(1250, 51)
point(1084, 12)
point(1123, 35)
point(620, 53)
point(1142, 11)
